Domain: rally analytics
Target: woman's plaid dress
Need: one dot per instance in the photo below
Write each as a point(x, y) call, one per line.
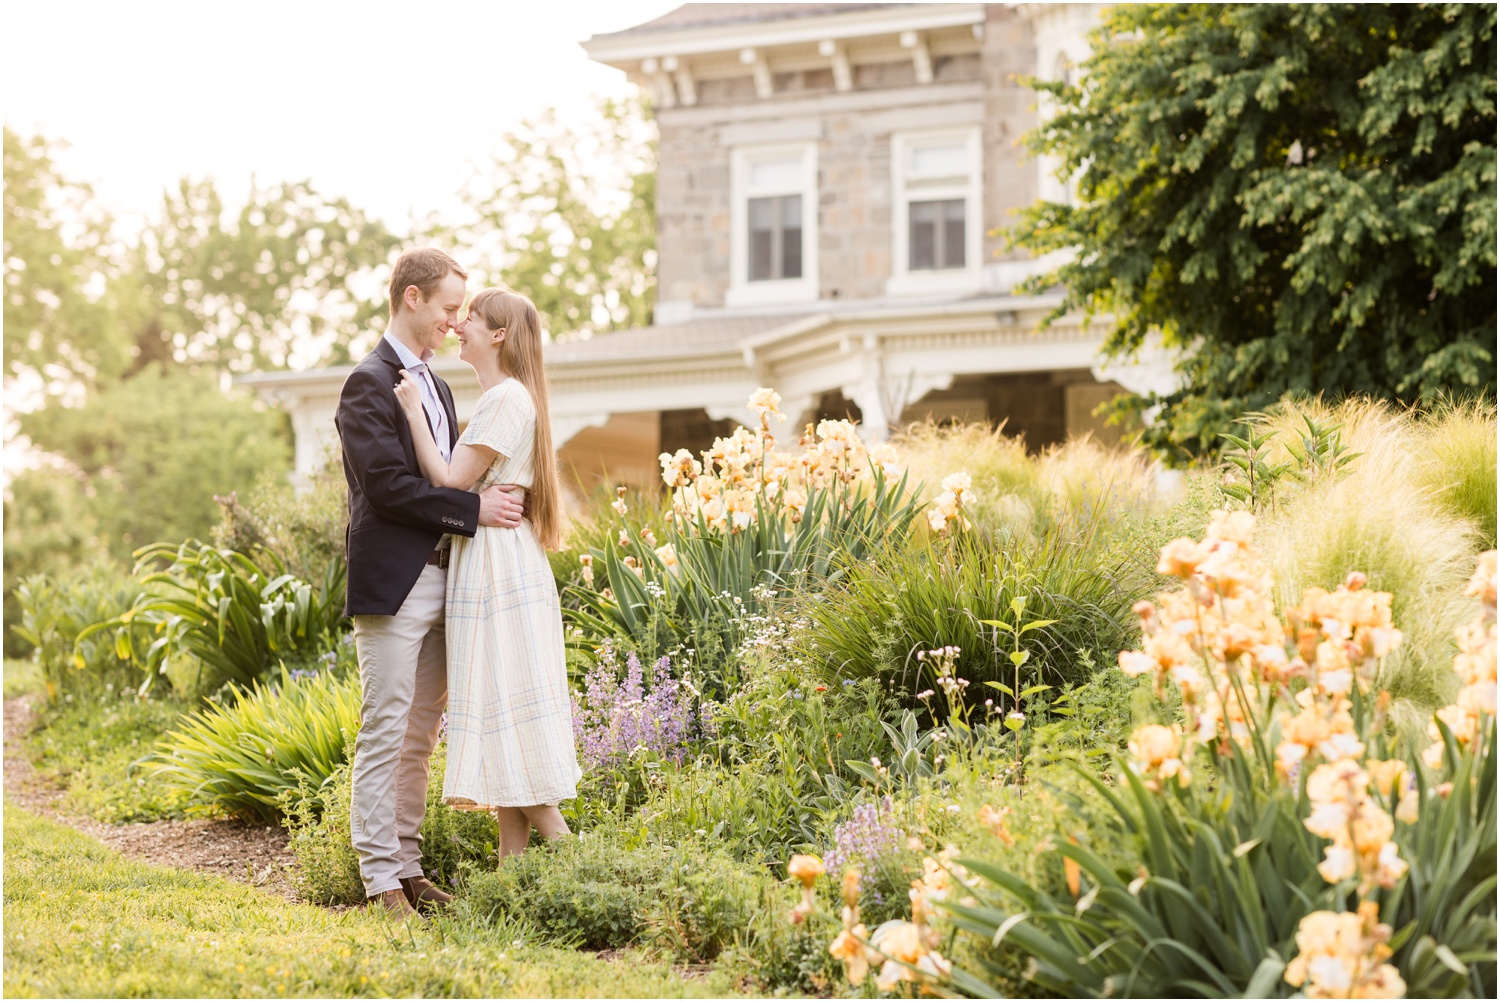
point(510, 719)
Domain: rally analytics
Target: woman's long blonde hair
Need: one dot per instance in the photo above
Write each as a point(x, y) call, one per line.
point(521, 357)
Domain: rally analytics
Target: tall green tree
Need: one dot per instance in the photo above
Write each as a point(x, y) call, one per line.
point(289, 281)
point(566, 213)
point(1299, 198)
point(142, 459)
point(60, 324)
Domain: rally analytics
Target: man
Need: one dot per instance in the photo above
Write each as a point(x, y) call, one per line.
point(398, 552)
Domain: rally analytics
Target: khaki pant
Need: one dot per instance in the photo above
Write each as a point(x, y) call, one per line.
point(403, 672)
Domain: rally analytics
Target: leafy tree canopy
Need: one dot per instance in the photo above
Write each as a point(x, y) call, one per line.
point(567, 214)
point(59, 324)
point(1299, 198)
point(290, 282)
point(148, 453)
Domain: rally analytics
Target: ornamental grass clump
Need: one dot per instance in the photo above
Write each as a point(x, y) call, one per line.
point(945, 592)
point(1380, 515)
point(1283, 837)
point(242, 757)
point(1459, 462)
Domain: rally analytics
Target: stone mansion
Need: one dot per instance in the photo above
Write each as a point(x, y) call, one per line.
point(832, 183)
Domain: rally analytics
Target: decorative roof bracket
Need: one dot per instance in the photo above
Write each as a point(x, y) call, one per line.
point(843, 73)
point(760, 69)
point(921, 58)
point(662, 92)
point(687, 89)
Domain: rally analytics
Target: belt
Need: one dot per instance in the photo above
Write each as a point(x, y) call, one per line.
point(439, 558)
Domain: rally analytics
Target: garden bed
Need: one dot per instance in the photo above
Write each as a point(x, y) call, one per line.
point(855, 720)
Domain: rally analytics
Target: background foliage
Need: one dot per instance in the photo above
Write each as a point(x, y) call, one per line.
point(1299, 198)
point(146, 455)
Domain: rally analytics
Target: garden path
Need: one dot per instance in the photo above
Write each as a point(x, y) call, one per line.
point(250, 854)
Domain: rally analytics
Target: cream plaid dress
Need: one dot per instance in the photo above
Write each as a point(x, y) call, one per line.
point(510, 721)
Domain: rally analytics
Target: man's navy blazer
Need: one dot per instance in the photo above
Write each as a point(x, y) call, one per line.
point(396, 517)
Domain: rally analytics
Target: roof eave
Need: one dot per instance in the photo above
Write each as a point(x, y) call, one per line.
point(626, 49)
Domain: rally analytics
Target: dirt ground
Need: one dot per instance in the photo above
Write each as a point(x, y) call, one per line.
point(251, 854)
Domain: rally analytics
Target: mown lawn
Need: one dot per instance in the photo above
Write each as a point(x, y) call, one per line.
point(81, 920)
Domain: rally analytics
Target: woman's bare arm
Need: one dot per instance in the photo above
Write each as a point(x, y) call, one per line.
point(469, 461)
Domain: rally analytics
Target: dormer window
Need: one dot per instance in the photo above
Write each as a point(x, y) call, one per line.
point(773, 223)
point(936, 217)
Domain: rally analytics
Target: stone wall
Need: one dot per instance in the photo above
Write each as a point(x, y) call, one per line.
point(853, 132)
point(1010, 174)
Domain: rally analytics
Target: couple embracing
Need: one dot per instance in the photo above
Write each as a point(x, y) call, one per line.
point(453, 601)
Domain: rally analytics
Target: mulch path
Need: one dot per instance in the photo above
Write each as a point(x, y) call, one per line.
point(251, 854)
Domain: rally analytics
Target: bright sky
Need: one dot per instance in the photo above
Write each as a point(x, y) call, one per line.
point(388, 104)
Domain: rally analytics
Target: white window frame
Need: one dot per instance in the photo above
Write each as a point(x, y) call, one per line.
point(903, 280)
point(742, 291)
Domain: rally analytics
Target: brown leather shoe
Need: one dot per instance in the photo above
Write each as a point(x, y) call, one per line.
point(394, 904)
point(423, 895)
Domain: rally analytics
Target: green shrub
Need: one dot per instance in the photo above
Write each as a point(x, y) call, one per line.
point(55, 617)
point(241, 757)
point(305, 528)
point(915, 598)
point(317, 818)
point(579, 891)
point(706, 903)
point(592, 892)
point(238, 615)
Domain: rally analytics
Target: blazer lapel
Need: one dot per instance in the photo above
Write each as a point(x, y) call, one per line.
point(387, 354)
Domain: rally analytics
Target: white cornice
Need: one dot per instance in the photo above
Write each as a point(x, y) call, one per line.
point(819, 333)
point(952, 101)
point(632, 47)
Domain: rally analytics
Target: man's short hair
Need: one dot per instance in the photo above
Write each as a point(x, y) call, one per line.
point(423, 267)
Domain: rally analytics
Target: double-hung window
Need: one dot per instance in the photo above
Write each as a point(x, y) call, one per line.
point(936, 218)
point(773, 225)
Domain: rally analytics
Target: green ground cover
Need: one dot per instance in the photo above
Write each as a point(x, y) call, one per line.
point(97, 750)
point(83, 921)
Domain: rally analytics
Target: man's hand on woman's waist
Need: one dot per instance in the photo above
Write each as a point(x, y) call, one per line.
point(502, 505)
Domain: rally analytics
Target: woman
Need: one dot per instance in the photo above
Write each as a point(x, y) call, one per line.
point(510, 730)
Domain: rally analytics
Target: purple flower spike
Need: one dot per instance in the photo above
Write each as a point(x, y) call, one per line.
point(615, 718)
